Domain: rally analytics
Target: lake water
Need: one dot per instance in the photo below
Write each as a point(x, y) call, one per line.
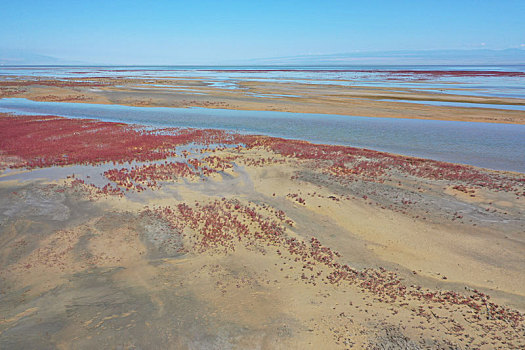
point(483, 80)
point(488, 145)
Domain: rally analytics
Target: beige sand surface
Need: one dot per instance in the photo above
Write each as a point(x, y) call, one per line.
point(81, 271)
point(306, 97)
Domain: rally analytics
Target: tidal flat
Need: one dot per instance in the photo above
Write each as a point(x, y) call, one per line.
point(469, 93)
point(124, 236)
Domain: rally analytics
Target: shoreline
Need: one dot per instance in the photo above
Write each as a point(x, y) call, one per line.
point(239, 236)
point(246, 94)
point(515, 118)
point(262, 136)
point(430, 146)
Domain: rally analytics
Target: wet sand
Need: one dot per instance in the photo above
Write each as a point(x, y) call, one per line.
point(305, 96)
point(249, 242)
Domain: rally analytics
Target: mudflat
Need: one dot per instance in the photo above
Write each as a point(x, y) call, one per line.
point(307, 95)
point(120, 236)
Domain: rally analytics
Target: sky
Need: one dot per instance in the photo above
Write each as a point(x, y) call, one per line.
point(215, 32)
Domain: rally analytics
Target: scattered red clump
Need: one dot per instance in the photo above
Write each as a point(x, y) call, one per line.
point(42, 141)
point(92, 191)
point(372, 165)
point(140, 177)
point(221, 224)
point(431, 73)
point(296, 197)
point(59, 83)
point(464, 189)
point(219, 163)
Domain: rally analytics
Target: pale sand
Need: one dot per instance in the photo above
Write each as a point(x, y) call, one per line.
point(311, 98)
point(84, 274)
point(79, 271)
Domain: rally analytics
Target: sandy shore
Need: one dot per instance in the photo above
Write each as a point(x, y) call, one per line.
point(303, 97)
point(216, 240)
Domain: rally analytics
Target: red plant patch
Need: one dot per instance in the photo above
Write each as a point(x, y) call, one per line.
point(222, 224)
point(43, 141)
point(139, 177)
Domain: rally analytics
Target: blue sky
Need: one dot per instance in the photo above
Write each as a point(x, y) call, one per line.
point(202, 32)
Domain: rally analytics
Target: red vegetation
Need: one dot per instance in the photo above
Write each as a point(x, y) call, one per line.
point(433, 73)
point(59, 83)
point(369, 165)
point(220, 225)
point(464, 189)
point(296, 197)
point(218, 163)
point(42, 141)
point(139, 177)
point(47, 141)
point(92, 191)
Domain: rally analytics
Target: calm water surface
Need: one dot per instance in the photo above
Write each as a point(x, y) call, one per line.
point(228, 77)
point(495, 146)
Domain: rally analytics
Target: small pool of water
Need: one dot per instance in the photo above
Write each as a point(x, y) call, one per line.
point(488, 145)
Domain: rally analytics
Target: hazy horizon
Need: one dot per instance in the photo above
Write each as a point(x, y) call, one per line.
point(218, 33)
point(508, 57)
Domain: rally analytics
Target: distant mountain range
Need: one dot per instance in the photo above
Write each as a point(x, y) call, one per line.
point(416, 57)
point(22, 58)
point(404, 57)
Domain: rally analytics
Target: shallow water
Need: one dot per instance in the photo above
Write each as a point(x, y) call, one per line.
point(228, 77)
point(488, 145)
